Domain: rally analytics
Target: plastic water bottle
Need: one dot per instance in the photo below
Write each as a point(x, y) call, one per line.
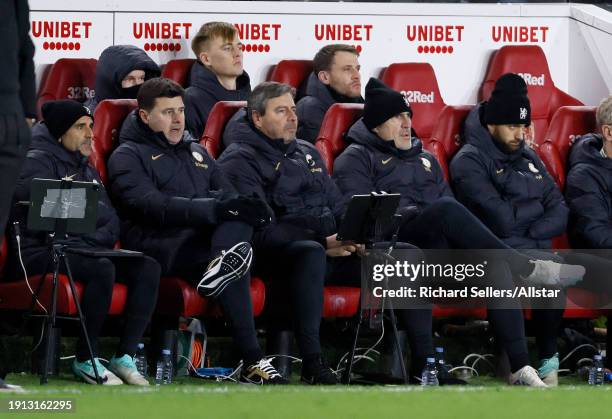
point(141, 360)
point(440, 363)
point(596, 372)
point(163, 375)
point(429, 377)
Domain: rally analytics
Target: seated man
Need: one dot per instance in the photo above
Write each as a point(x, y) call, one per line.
point(217, 74)
point(264, 157)
point(588, 193)
point(335, 79)
point(59, 150)
point(120, 71)
point(506, 185)
point(179, 208)
point(384, 157)
point(588, 184)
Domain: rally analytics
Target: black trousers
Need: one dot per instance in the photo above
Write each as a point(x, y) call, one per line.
point(99, 275)
point(446, 224)
point(296, 273)
point(191, 263)
point(14, 141)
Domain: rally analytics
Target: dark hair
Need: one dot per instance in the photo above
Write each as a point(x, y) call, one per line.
point(211, 30)
point(265, 91)
point(157, 87)
point(324, 58)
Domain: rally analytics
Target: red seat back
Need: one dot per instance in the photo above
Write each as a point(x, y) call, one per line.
point(445, 139)
point(178, 70)
point(292, 72)
point(336, 123)
point(69, 78)
point(530, 62)
point(418, 84)
point(109, 116)
point(568, 123)
point(219, 116)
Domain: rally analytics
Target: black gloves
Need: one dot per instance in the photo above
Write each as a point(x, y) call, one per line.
point(248, 209)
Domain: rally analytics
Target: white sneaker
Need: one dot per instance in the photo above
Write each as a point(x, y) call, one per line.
point(527, 376)
point(85, 371)
point(549, 273)
point(232, 265)
point(10, 388)
point(125, 369)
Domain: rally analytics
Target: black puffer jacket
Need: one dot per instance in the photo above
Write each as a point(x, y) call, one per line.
point(512, 194)
point(48, 159)
point(204, 91)
point(164, 193)
point(115, 63)
point(371, 164)
point(589, 194)
point(17, 84)
point(291, 178)
point(312, 107)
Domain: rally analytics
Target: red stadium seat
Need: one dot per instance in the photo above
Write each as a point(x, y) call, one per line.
point(178, 70)
point(69, 78)
point(530, 62)
point(336, 123)
point(219, 116)
point(177, 297)
point(109, 116)
point(16, 295)
point(445, 138)
point(418, 84)
point(292, 72)
point(568, 123)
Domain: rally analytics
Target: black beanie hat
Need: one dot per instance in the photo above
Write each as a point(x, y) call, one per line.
point(382, 103)
point(509, 103)
point(59, 115)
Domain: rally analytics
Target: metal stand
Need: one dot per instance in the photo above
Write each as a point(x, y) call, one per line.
point(346, 375)
point(57, 256)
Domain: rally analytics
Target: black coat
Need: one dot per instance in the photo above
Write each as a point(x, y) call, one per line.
point(589, 194)
point(164, 193)
point(204, 91)
point(17, 83)
point(48, 159)
point(114, 64)
point(311, 108)
point(512, 193)
point(291, 178)
point(371, 164)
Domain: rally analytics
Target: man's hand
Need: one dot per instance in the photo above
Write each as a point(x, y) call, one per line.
point(337, 248)
point(529, 135)
point(29, 122)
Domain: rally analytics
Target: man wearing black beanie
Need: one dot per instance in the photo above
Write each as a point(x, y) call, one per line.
point(384, 157)
point(60, 147)
point(506, 185)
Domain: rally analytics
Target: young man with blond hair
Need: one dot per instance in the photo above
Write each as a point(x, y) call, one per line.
point(217, 75)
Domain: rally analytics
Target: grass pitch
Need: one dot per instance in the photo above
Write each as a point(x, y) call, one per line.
point(189, 397)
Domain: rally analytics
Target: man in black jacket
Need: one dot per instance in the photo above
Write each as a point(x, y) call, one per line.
point(384, 157)
point(120, 72)
point(589, 183)
point(263, 156)
point(335, 79)
point(180, 209)
point(506, 185)
point(17, 108)
point(217, 75)
point(60, 147)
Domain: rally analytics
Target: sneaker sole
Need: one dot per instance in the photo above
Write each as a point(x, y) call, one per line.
point(219, 284)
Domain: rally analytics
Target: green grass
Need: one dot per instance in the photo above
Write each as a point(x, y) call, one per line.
point(483, 398)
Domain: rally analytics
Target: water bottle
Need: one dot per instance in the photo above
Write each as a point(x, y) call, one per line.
point(429, 377)
point(163, 375)
point(440, 363)
point(141, 360)
point(596, 372)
